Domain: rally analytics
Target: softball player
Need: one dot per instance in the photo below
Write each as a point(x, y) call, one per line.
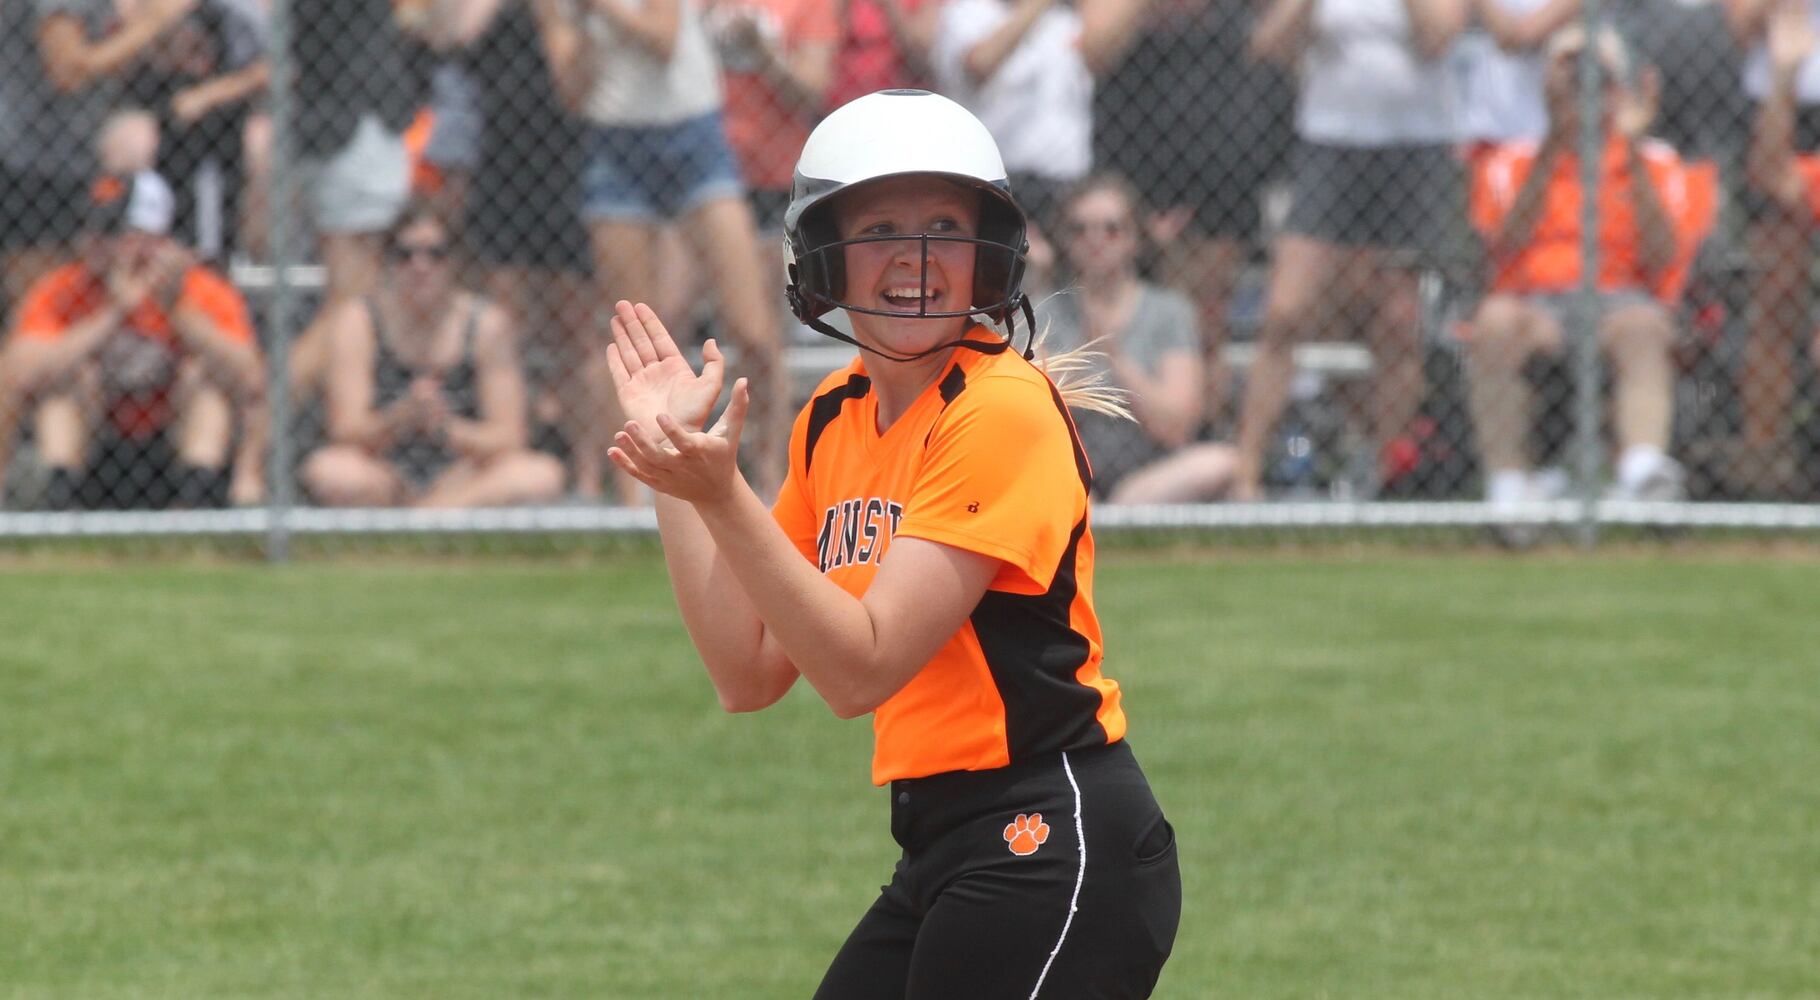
point(929, 561)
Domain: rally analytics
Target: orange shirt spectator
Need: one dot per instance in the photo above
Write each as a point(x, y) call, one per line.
point(1551, 260)
point(766, 123)
point(71, 293)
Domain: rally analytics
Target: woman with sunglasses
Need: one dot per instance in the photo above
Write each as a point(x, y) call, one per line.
point(425, 396)
point(928, 562)
point(1144, 342)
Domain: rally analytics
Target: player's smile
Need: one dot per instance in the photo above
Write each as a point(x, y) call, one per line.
point(914, 297)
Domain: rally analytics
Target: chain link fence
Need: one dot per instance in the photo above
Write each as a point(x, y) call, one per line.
point(343, 266)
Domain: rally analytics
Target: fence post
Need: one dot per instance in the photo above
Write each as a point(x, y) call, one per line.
point(1583, 330)
point(280, 240)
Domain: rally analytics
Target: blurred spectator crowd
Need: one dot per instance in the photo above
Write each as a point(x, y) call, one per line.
point(1329, 248)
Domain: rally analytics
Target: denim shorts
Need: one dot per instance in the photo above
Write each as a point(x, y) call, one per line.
point(1560, 306)
point(648, 173)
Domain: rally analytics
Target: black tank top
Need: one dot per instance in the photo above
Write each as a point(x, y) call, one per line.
point(419, 456)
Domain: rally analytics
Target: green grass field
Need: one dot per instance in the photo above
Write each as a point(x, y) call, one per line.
point(1392, 776)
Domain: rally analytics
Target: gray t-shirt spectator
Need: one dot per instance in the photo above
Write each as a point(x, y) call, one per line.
point(42, 132)
point(1163, 323)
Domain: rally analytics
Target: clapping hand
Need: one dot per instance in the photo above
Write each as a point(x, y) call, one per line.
point(667, 403)
point(171, 264)
point(428, 407)
point(421, 410)
point(130, 281)
point(188, 106)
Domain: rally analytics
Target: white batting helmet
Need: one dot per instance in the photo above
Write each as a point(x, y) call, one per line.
point(893, 133)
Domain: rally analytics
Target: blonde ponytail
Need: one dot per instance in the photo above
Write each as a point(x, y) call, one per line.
point(1079, 378)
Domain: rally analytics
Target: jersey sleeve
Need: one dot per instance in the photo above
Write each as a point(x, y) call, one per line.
point(1001, 477)
point(214, 298)
point(46, 312)
point(793, 511)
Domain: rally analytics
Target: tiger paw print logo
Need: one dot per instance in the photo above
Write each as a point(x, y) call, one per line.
point(1026, 833)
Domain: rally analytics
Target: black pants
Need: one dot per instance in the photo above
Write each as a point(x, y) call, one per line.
point(1054, 877)
point(126, 473)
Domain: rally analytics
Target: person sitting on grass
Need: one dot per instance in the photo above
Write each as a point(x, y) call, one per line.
point(1144, 342)
point(134, 360)
point(426, 400)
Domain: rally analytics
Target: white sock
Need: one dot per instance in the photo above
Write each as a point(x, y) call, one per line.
point(1638, 463)
point(1507, 486)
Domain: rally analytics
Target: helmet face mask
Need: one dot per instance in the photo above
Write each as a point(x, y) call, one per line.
point(820, 275)
point(901, 134)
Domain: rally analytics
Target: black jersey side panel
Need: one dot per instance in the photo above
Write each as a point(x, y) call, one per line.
point(1033, 653)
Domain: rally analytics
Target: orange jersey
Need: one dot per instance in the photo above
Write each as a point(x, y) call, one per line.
point(1550, 262)
point(985, 460)
point(71, 293)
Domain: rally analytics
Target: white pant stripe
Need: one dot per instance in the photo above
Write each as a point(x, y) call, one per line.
point(1080, 877)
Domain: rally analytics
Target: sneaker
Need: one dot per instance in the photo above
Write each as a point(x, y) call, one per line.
point(1549, 483)
point(1518, 534)
point(1666, 483)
